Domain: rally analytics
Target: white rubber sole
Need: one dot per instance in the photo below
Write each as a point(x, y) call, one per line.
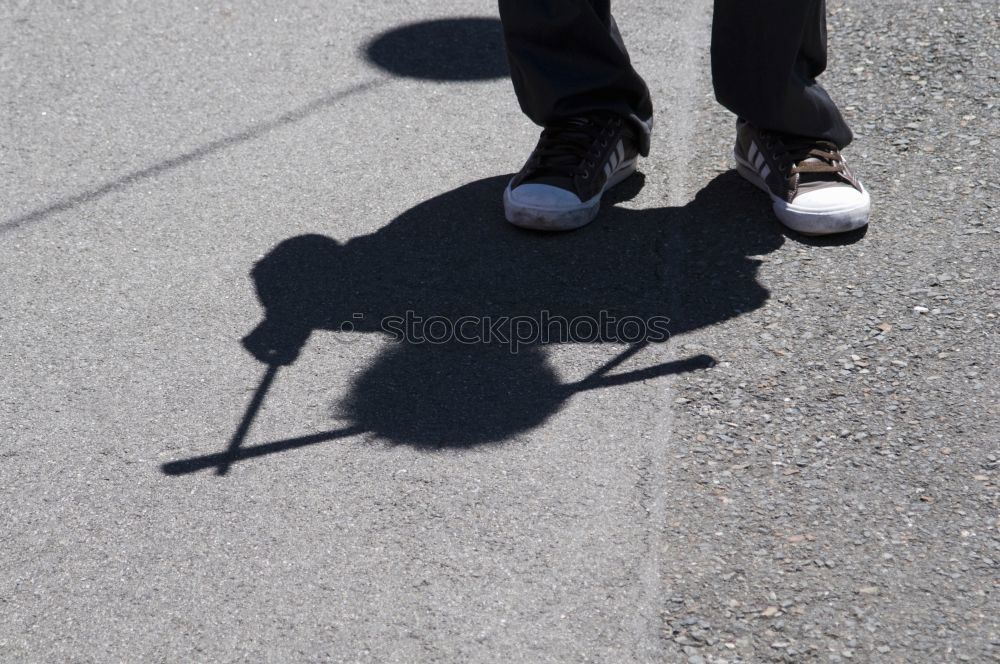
point(561, 218)
point(826, 221)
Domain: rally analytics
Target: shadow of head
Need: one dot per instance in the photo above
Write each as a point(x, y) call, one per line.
point(453, 395)
point(454, 49)
point(471, 302)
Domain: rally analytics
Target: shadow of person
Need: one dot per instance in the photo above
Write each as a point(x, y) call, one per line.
point(473, 302)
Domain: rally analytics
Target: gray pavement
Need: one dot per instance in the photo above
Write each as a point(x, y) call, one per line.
point(826, 491)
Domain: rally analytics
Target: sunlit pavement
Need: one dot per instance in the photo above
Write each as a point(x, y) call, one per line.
point(217, 222)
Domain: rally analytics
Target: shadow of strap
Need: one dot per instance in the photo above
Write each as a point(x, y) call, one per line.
point(224, 459)
point(694, 363)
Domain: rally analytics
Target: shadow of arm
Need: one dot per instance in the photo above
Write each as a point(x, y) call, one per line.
point(695, 363)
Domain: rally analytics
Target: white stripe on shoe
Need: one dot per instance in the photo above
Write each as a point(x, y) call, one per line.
point(757, 159)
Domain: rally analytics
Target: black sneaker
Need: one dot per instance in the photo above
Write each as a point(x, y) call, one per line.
point(574, 163)
point(812, 190)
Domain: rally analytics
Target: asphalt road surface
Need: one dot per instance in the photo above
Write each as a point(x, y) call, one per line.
point(213, 450)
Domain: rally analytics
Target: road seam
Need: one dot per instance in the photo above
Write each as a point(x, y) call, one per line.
point(676, 128)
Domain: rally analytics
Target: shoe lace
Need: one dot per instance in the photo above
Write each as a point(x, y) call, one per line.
point(805, 155)
point(571, 147)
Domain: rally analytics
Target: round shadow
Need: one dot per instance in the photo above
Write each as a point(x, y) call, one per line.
point(453, 395)
point(454, 49)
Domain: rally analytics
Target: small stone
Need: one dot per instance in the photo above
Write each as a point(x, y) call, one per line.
point(770, 612)
point(868, 590)
point(920, 310)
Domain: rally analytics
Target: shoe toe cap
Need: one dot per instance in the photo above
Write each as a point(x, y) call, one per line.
point(829, 200)
point(544, 196)
point(826, 211)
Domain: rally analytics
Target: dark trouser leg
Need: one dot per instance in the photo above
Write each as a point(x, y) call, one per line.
point(567, 57)
point(766, 55)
